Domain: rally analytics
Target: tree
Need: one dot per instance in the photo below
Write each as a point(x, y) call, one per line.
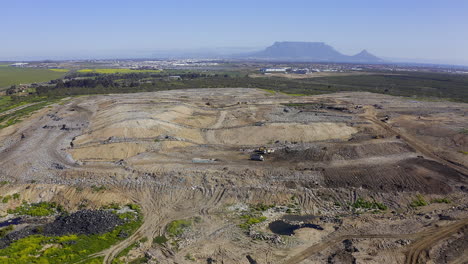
point(11, 90)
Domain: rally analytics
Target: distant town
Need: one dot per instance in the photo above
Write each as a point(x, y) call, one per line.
point(261, 66)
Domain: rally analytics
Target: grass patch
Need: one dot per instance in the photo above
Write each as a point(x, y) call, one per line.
point(419, 201)
point(364, 204)
point(251, 220)
point(123, 253)
point(2, 183)
point(189, 256)
point(98, 188)
point(160, 240)
point(37, 209)
point(6, 230)
point(441, 200)
point(177, 227)
point(463, 152)
point(12, 76)
point(269, 91)
point(16, 117)
point(6, 199)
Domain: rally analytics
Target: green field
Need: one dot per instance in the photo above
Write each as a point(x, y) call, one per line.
point(11, 76)
point(112, 71)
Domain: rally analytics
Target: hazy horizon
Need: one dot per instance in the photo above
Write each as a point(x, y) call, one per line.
point(434, 32)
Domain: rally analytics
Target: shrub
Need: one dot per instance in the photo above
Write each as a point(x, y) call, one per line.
point(177, 227)
point(418, 201)
point(5, 230)
point(98, 188)
point(361, 203)
point(251, 220)
point(160, 240)
point(441, 200)
point(6, 199)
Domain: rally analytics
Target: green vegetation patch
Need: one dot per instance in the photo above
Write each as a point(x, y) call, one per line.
point(419, 201)
point(254, 215)
point(6, 230)
point(441, 200)
point(364, 204)
point(16, 117)
point(189, 256)
point(66, 249)
point(118, 259)
point(124, 253)
point(13, 76)
point(177, 227)
point(98, 188)
point(269, 91)
point(37, 209)
point(4, 183)
point(160, 240)
point(250, 220)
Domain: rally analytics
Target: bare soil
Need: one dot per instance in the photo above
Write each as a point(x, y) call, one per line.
point(185, 155)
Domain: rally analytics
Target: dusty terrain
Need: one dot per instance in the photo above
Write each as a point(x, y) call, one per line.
point(185, 154)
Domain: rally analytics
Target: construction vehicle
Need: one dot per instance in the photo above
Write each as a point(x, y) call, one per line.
point(264, 150)
point(257, 157)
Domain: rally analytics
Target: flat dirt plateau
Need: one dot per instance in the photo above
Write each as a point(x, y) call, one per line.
point(363, 178)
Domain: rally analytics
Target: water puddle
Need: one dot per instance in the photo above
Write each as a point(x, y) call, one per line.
point(281, 227)
point(14, 221)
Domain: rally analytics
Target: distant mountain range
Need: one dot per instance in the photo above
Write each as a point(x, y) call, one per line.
point(310, 52)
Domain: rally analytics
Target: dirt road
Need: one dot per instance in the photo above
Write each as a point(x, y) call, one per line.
point(370, 115)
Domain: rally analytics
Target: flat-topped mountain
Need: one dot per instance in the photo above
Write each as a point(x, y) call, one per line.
point(311, 51)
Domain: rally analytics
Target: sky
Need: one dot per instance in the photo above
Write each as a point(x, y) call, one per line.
point(434, 31)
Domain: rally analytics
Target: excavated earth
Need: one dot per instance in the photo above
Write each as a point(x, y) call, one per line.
point(185, 153)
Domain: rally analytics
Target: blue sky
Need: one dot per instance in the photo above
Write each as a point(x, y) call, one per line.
point(426, 29)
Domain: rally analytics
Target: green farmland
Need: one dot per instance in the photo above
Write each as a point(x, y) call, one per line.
point(11, 76)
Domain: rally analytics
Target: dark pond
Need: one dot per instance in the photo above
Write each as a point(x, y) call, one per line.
point(281, 227)
point(14, 221)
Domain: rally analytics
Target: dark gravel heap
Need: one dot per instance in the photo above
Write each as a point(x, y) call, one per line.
point(86, 222)
point(13, 236)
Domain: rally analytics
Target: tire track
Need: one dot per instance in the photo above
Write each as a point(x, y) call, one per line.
point(426, 239)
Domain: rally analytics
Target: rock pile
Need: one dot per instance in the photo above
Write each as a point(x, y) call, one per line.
point(86, 222)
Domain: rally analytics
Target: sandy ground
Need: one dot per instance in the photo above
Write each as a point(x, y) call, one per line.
point(185, 154)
